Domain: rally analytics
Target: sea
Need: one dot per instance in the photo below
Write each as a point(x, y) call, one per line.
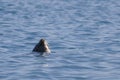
point(83, 36)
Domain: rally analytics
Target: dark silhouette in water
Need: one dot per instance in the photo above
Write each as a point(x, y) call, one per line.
point(41, 47)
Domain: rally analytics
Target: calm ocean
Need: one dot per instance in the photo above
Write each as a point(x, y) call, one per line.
point(83, 35)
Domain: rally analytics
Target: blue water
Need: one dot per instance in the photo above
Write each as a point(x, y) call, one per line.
point(83, 35)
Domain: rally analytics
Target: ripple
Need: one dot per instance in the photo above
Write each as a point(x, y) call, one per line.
point(84, 39)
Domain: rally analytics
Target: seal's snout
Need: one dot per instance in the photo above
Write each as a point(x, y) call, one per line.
point(42, 42)
point(42, 46)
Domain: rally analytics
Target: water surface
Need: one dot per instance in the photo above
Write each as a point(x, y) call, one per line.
point(83, 35)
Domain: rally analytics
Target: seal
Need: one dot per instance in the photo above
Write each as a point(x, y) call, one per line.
point(42, 47)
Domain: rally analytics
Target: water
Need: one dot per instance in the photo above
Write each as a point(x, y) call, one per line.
point(83, 35)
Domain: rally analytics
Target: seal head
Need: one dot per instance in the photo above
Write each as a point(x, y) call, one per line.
point(42, 46)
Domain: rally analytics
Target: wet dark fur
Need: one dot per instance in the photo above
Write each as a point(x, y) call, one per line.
point(40, 47)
